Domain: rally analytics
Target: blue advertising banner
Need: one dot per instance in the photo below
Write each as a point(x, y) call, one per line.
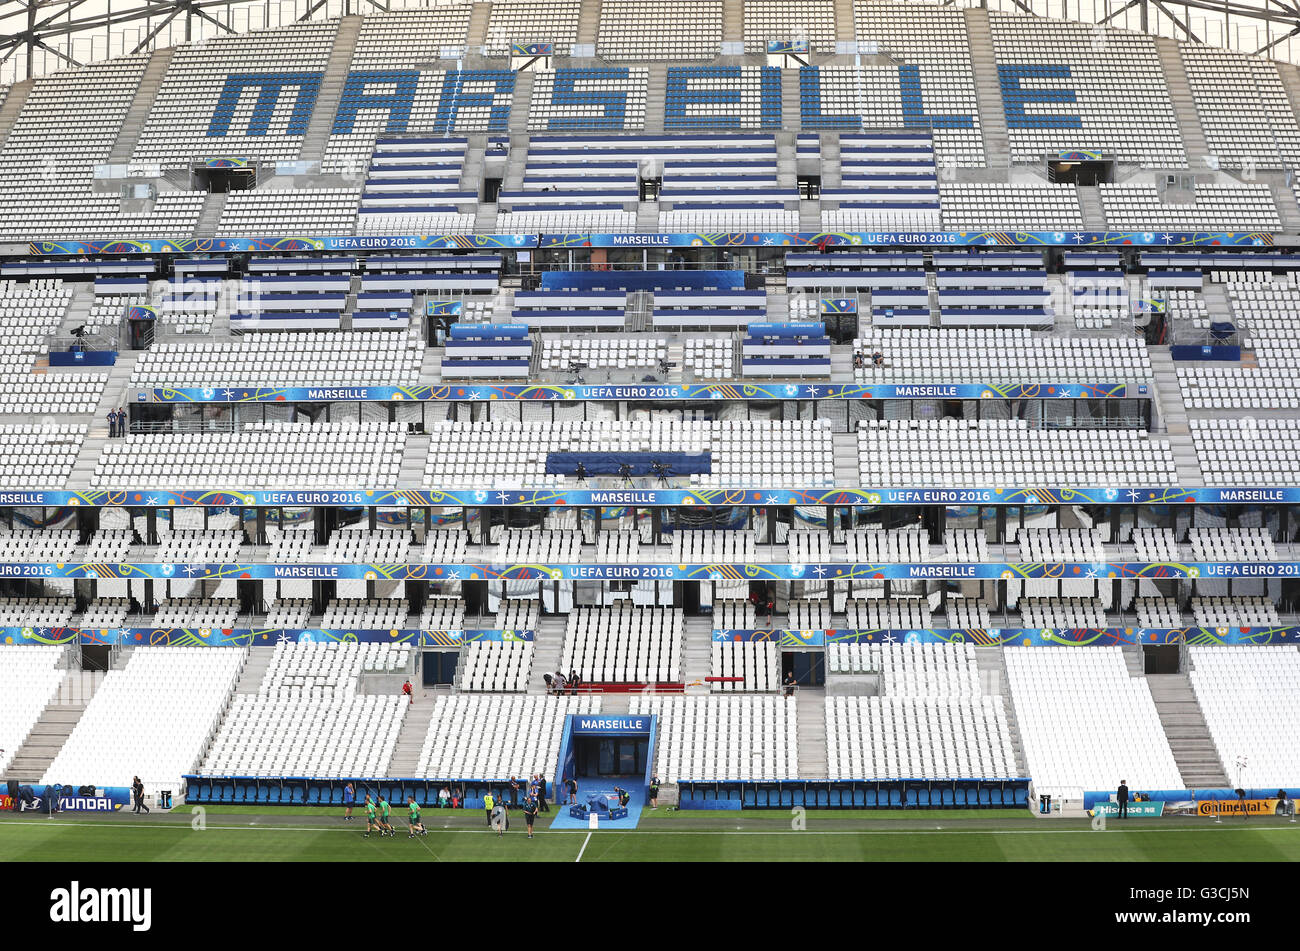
point(442, 308)
point(1166, 239)
point(1070, 637)
point(611, 724)
point(34, 798)
point(532, 49)
point(786, 638)
point(473, 242)
point(377, 242)
point(838, 305)
point(776, 47)
point(246, 637)
point(655, 571)
point(761, 497)
point(468, 392)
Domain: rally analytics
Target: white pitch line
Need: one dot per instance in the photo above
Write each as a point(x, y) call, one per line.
point(584, 847)
point(652, 832)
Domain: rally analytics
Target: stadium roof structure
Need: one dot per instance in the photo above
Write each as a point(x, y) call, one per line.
point(42, 36)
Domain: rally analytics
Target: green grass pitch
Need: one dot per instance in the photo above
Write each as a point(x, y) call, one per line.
point(234, 834)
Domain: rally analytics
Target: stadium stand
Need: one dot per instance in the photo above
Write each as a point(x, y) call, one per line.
point(720, 738)
point(1245, 692)
point(29, 679)
point(1085, 723)
point(152, 718)
point(493, 737)
point(301, 721)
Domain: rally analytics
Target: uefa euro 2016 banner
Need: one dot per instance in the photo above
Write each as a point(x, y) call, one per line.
point(736, 239)
point(983, 637)
point(1022, 637)
point(461, 392)
point(650, 497)
point(824, 571)
point(247, 637)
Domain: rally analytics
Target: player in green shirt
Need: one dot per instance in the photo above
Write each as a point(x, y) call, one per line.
point(385, 827)
point(371, 821)
point(417, 827)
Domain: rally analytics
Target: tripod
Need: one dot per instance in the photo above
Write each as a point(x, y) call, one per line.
point(580, 473)
point(625, 472)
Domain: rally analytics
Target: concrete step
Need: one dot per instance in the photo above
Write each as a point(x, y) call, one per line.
point(1180, 94)
point(42, 745)
point(141, 105)
point(410, 738)
point(810, 708)
point(988, 95)
point(255, 667)
point(331, 89)
point(13, 106)
point(548, 641)
point(1184, 726)
point(589, 22)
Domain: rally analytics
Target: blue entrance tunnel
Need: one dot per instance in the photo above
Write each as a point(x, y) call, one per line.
point(613, 740)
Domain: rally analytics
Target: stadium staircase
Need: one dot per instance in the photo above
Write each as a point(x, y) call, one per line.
point(415, 727)
point(988, 94)
point(213, 205)
point(548, 641)
point(844, 20)
point(255, 668)
point(588, 22)
point(141, 105)
point(1288, 209)
point(331, 90)
point(832, 174)
point(790, 104)
point(413, 458)
point(647, 217)
point(1173, 414)
point(1189, 735)
point(476, 34)
point(55, 725)
point(697, 651)
point(1180, 94)
point(733, 21)
point(810, 706)
point(522, 105)
point(992, 667)
point(1094, 219)
point(13, 105)
point(1290, 76)
point(846, 458)
point(656, 97)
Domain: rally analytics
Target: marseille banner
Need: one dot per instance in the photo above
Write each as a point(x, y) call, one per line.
point(667, 391)
point(826, 571)
point(245, 637)
point(758, 497)
point(474, 242)
point(377, 242)
point(1046, 637)
point(792, 639)
point(1166, 239)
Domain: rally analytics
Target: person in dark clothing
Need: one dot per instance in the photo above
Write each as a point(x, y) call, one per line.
point(789, 684)
point(573, 790)
point(514, 793)
point(137, 791)
point(541, 794)
point(1121, 797)
point(654, 792)
point(530, 814)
